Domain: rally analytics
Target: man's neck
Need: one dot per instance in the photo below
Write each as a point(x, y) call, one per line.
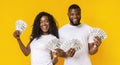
point(75, 24)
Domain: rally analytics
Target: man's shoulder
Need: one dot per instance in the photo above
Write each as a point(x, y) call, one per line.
point(65, 26)
point(86, 25)
point(68, 26)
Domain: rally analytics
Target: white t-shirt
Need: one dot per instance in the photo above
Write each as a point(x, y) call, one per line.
point(40, 54)
point(81, 33)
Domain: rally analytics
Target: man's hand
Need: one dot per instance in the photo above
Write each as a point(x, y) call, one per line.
point(97, 41)
point(60, 53)
point(93, 47)
point(70, 52)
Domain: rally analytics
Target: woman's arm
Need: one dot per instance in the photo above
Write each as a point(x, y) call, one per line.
point(54, 57)
point(25, 50)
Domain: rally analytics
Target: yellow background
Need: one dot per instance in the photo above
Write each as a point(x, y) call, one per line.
point(104, 14)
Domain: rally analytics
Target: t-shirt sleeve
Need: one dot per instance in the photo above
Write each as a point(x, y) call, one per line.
point(90, 38)
point(61, 35)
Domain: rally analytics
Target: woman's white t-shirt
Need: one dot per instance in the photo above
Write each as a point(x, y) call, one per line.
point(40, 54)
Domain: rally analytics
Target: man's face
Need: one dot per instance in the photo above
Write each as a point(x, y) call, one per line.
point(74, 16)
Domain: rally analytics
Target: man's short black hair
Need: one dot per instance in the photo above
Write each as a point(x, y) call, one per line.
point(74, 6)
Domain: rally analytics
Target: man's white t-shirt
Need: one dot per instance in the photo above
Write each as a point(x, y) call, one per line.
point(81, 33)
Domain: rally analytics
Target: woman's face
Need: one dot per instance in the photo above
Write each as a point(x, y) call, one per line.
point(44, 24)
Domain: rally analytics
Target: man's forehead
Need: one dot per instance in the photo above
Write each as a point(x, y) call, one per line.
point(74, 10)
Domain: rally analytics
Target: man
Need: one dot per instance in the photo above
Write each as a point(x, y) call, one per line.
point(76, 30)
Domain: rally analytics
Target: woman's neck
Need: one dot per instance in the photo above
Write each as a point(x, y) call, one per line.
point(45, 33)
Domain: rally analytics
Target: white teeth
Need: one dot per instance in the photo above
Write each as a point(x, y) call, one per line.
point(74, 19)
point(45, 27)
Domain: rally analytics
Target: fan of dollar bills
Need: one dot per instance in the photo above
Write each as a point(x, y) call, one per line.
point(20, 25)
point(74, 43)
point(97, 32)
point(54, 44)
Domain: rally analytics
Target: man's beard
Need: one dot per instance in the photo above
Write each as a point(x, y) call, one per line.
point(74, 23)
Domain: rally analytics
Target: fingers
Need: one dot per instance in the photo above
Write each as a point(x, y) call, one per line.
point(97, 41)
point(60, 52)
point(71, 52)
point(16, 34)
point(54, 54)
point(55, 60)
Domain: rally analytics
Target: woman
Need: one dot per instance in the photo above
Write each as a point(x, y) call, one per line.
point(44, 30)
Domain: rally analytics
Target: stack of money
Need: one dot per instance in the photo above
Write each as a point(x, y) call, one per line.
point(97, 32)
point(54, 44)
point(20, 25)
point(73, 43)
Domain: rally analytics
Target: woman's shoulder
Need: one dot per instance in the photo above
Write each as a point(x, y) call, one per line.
point(52, 36)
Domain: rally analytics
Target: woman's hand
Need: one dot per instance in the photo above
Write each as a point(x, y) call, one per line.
point(16, 34)
point(55, 58)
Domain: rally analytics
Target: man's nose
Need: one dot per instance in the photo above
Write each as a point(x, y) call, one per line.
point(75, 16)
